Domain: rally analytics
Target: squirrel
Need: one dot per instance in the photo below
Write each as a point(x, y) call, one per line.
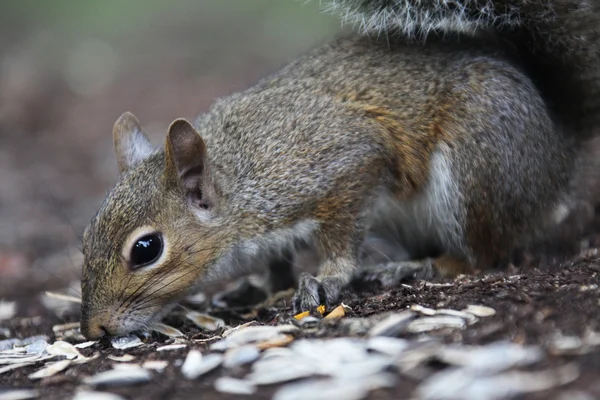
point(467, 123)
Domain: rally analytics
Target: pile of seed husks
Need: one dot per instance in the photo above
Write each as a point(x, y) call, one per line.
point(298, 354)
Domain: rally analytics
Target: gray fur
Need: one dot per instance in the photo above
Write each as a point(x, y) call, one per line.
point(557, 40)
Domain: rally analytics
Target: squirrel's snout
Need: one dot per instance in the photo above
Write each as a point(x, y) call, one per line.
point(98, 325)
point(93, 331)
point(93, 326)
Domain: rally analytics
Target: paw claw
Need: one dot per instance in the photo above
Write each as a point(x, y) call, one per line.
point(312, 292)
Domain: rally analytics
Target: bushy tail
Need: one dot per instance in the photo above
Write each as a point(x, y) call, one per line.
point(559, 40)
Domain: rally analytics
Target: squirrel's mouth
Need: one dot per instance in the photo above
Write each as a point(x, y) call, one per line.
point(101, 325)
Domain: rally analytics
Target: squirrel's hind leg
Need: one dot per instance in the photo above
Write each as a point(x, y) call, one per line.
point(393, 273)
point(422, 237)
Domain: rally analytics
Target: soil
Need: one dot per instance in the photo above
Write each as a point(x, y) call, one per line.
point(532, 307)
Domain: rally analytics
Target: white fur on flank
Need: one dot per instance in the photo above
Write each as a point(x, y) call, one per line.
point(430, 218)
point(444, 198)
point(416, 18)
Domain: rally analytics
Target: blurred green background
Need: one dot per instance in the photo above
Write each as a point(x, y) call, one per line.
point(90, 42)
point(69, 68)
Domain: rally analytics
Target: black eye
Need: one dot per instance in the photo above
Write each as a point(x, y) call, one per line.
point(146, 250)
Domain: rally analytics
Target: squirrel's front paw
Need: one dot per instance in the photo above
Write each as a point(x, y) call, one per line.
point(313, 292)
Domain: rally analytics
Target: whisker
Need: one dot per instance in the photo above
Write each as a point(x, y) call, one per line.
point(148, 296)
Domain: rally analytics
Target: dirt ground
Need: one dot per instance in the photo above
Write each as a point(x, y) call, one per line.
point(531, 308)
point(56, 163)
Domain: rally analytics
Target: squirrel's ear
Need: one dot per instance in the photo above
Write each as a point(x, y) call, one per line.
point(131, 144)
point(185, 152)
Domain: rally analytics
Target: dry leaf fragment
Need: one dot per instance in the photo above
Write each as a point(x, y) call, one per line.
point(11, 344)
point(8, 309)
point(86, 360)
point(434, 323)
point(226, 384)
point(210, 339)
point(156, 365)
point(205, 321)
point(70, 331)
point(24, 359)
point(423, 310)
point(196, 364)
point(236, 328)
point(85, 345)
point(50, 369)
point(19, 394)
point(10, 367)
point(277, 341)
point(321, 309)
point(65, 327)
point(92, 395)
point(167, 330)
point(172, 347)
point(480, 311)
point(126, 365)
point(123, 358)
point(240, 355)
point(119, 377)
point(393, 324)
point(60, 348)
point(64, 297)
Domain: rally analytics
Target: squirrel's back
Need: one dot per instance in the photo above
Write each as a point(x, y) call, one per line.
point(557, 41)
point(406, 95)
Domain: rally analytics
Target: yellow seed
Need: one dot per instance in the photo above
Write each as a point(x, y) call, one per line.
point(278, 341)
point(302, 315)
point(338, 312)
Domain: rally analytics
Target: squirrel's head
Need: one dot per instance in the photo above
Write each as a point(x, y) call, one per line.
point(155, 236)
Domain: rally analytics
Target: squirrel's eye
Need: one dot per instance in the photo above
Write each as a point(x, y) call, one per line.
point(146, 250)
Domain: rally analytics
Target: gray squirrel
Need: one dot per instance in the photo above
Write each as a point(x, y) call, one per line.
point(469, 124)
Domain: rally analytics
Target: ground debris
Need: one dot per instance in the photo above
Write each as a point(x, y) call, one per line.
point(167, 330)
point(119, 377)
point(89, 395)
point(126, 342)
point(8, 309)
point(468, 384)
point(19, 394)
point(51, 369)
point(196, 364)
point(170, 347)
point(431, 342)
point(204, 321)
point(226, 384)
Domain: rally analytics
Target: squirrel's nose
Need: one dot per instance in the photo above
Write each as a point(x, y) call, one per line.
point(94, 331)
